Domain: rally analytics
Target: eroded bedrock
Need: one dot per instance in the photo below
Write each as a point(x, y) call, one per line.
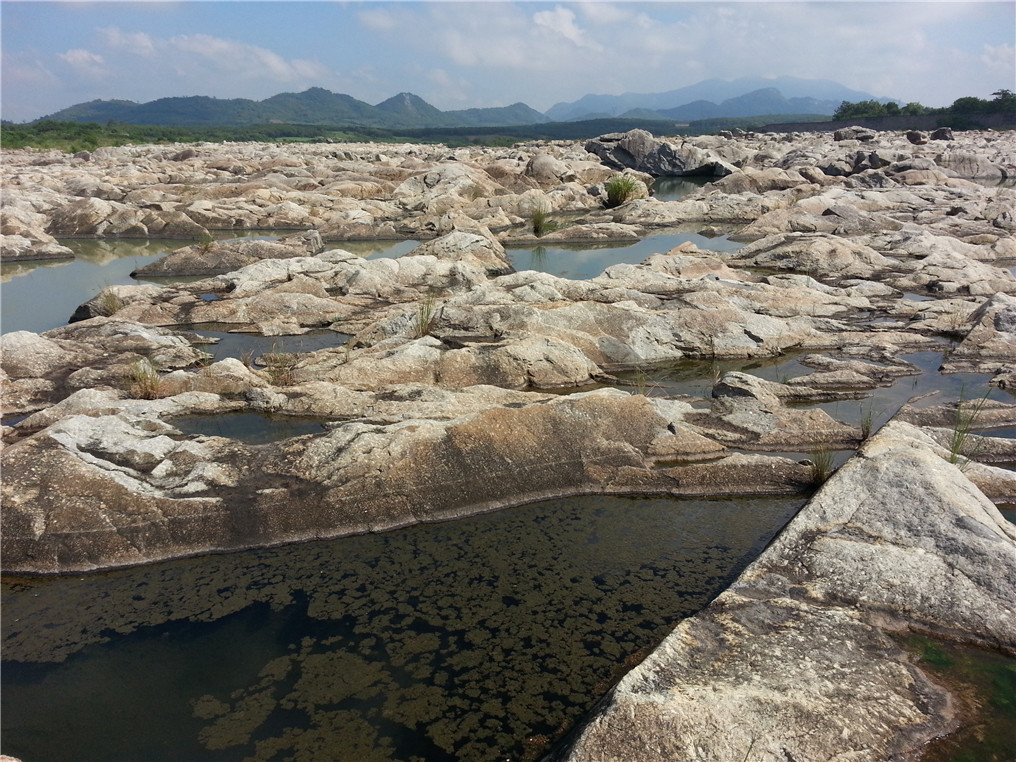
point(796, 659)
point(107, 482)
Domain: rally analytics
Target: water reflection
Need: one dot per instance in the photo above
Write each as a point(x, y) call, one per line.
point(248, 346)
point(583, 261)
point(480, 639)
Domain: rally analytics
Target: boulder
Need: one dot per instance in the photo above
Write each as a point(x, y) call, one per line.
point(639, 150)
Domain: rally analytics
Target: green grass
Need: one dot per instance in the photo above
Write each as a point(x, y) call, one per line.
point(542, 224)
point(620, 189)
point(963, 425)
point(426, 314)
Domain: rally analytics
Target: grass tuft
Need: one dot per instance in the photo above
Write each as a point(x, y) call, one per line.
point(822, 466)
point(279, 366)
point(963, 425)
point(426, 314)
point(542, 224)
point(620, 189)
point(108, 303)
point(143, 380)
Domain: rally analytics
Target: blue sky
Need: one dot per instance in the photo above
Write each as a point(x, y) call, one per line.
point(473, 54)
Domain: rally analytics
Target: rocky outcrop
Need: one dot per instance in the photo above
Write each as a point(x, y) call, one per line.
point(640, 151)
point(219, 257)
point(143, 493)
point(897, 540)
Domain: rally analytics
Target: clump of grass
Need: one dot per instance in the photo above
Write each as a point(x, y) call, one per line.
point(143, 380)
point(822, 466)
point(426, 314)
point(963, 425)
point(279, 366)
point(107, 303)
point(868, 417)
point(620, 189)
point(206, 244)
point(542, 224)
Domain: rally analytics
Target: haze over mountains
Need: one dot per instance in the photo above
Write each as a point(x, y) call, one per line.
point(706, 100)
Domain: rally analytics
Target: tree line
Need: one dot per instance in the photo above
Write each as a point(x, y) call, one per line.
point(1002, 101)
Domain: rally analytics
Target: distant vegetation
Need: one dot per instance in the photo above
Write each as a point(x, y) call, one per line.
point(87, 136)
point(1003, 101)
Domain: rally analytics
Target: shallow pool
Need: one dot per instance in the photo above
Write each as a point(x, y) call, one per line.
point(479, 639)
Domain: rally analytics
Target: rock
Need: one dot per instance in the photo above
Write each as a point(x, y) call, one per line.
point(548, 170)
point(216, 258)
point(476, 247)
point(639, 150)
point(942, 133)
point(750, 673)
point(917, 137)
point(862, 134)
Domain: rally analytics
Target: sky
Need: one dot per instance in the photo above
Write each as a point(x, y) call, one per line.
point(458, 55)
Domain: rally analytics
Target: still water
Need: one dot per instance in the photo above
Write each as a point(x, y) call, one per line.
point(479, 639)
point(38, 296)
point(583, 261)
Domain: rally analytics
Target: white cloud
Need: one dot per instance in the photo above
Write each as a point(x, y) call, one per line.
point(138, 43)
point(84, 62)
point(1000, 60)
point(81, 58)
point(561, 22)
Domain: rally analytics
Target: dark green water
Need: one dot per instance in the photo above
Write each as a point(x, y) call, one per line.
point(985, 681)
point(250, 428)
point(479, 639)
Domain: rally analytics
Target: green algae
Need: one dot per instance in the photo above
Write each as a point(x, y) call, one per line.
point(985, 683)
point(480, 639)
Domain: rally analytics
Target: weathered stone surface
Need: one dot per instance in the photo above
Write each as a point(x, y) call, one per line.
point(897, 539)
point(639, 150)
point(216, 258)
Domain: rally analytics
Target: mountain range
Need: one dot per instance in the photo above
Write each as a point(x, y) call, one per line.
point(706, 100)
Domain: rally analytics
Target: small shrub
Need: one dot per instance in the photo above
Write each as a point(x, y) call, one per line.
point(108, 303)
point(620, 189)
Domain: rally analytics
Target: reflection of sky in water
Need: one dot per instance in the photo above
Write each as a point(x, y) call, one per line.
point(241, 346)
point(38, 296)
point(581, 262)
point(450, 641)
point(43, 295)
point(928, 388)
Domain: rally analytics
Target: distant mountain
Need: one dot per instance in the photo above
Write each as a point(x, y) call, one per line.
point(768, 100)
point(711, 99)
point(313, 106)
point(711, 91)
